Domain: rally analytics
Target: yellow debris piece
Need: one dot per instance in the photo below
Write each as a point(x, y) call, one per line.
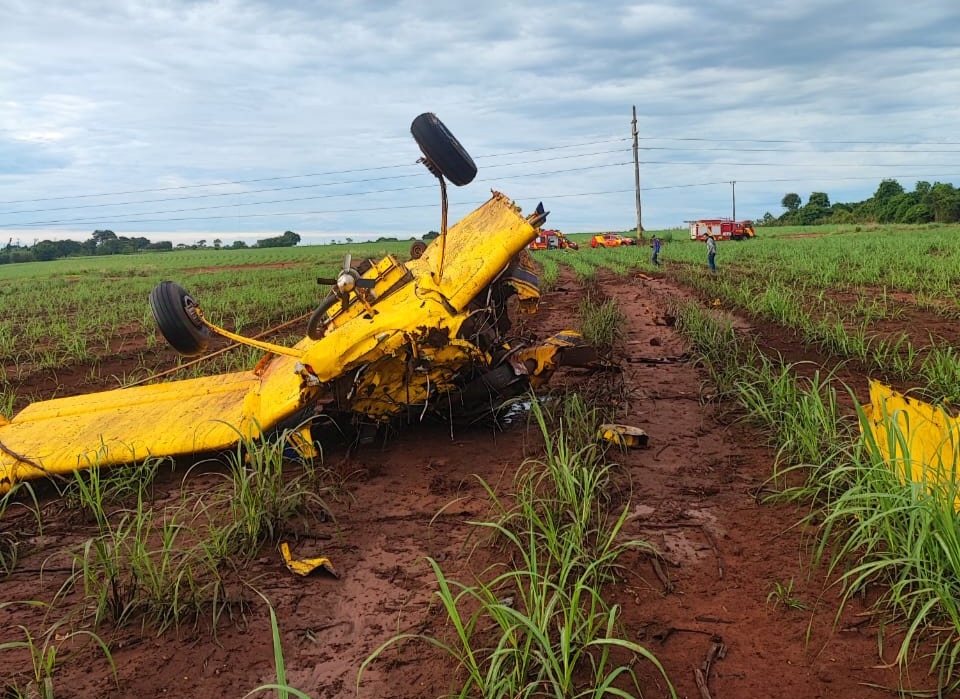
point(302, 442)
point(305, 566)
point(623, 435)
point(919, 440)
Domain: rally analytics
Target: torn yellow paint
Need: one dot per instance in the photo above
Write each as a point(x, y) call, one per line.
point(919, 440)
point(305, 566)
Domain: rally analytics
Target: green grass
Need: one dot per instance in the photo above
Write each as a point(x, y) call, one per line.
point(781, 595)
point(899, 540)
point(262, 496)
point(282, 688)
point(44, 650)
point(601, 322)
point(541, 626)
point(832, 290)
point(881, 536)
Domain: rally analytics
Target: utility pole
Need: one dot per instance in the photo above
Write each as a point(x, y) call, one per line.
point(733, 186)
point(636, 174)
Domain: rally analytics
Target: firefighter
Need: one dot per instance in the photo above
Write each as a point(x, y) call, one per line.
point(711, 253)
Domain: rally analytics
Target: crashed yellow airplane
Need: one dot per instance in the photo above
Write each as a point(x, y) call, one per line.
point(390, 338)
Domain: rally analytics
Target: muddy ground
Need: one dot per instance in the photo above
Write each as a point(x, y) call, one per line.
point(696, 492)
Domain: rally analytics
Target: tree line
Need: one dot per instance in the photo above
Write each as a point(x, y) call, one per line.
point(106, 242)
point(891, 203)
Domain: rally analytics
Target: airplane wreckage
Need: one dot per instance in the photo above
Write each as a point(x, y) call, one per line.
point(390, 339)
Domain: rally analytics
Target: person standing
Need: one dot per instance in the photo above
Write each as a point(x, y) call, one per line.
point(655, 244)
point(711, 254)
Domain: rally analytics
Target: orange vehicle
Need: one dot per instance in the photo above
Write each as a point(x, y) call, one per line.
point(610, 240)
point(552, 240)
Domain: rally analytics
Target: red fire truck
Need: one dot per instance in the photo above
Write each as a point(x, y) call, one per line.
point(721, 229)
point(552, 240)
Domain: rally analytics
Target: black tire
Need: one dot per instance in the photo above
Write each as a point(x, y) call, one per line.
point(177, 317)
point(315, 326)
point(443, 150)
point(417, 249)
point(485, 394)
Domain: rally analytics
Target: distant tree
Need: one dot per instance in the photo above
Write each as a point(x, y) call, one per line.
point(110, 246)
point(59, 248)
point(943, 202)
point(201, 244)
point(791, 201)
point(45, 251)
point(911, 212)
point(816, 210)
point(887, 190)
point(20, 255)
point(217, 243)
point(101, 236)
point(102, 242)
point(238, 245)
point(288, 240)
point(430, 235)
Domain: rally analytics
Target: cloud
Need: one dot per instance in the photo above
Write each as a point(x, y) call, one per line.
point(210, 117)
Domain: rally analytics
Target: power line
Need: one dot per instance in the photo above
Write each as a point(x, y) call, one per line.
point(119, 217)
point(281, 178)
point(794, 150)
point(398, 207)
point(248, 193)
point(131, 217)
point(289, 177)
point(799, 141)
point(196, 186)
point(780, 164)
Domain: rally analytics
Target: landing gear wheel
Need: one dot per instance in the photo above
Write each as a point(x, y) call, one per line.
point(178, 318)
point(417, 249)
point(443, 152)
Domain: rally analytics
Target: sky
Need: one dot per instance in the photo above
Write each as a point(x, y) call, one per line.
point(190, 120)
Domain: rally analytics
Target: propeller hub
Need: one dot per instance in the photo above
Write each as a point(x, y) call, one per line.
point(346, 282)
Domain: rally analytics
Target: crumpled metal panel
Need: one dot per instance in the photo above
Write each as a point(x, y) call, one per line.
point(920, 441)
